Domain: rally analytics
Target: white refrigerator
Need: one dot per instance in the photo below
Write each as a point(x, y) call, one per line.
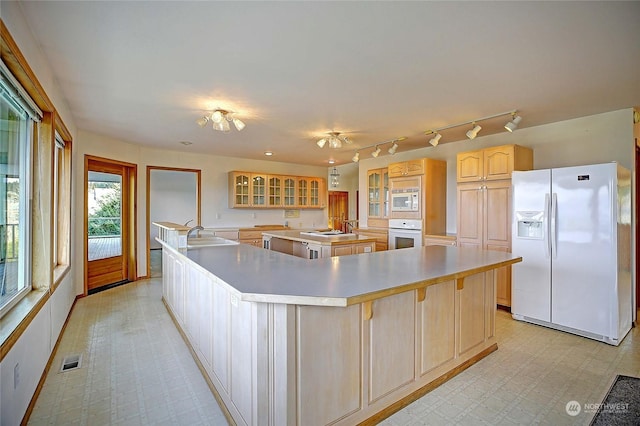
point(572, 227)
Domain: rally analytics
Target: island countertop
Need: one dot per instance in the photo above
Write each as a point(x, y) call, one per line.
point(326, 240)
point(259, 275)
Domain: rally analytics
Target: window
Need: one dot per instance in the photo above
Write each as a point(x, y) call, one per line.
point(17, 121)
point(61, 202)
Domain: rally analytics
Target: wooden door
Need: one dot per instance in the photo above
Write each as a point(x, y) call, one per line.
point(258, 190)
point(338, 210)
point(109, 222)
point(275, 191)
point(497, 232)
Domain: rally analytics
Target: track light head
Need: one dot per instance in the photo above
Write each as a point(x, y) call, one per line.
point(356, 157)
point(375, 153)
point(471, 134)
point(513, 124)
point(435, 140)
point(393, 148)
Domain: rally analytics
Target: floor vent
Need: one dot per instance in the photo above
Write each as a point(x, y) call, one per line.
point(71, 362)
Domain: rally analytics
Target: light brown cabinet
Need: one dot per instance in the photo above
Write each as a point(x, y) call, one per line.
point(260, 190)
point(484, 222)
point(407, 168)
point(493, 163)
point(439, 240)
point(381, 236)
point(378, 193)
point(484, 203)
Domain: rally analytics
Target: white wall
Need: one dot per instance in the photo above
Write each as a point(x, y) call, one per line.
point(587, 140)
point(32, 350)
point(173, 197)
point(214, 180)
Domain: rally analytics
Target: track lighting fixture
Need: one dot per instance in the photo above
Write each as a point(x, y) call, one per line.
point(335, 140)
point(434, 140)
point(471, 134)
point(513, 124)
point(220, 119)
point(392, 150)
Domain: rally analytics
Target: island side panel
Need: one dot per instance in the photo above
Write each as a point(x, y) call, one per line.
point(437, 326)
point(328, 363)
point(391, 340)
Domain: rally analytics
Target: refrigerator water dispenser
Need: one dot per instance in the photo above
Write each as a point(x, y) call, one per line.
point(530, 224)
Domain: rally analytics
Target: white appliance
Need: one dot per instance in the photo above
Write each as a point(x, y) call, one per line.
point(405, 233)
point(572, 227)
point(405, 200)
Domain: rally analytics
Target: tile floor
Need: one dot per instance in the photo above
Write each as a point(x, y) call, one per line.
point(136, 370)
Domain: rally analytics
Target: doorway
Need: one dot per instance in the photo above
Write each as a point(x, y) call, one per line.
point(339, 210)
point(109, 223)
point(173, 195)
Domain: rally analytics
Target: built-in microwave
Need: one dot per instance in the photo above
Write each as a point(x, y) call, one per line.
point(405, 200)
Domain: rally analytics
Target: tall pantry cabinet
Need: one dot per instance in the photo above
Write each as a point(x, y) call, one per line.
point(484, 202)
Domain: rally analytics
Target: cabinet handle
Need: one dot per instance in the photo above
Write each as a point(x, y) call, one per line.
point(422, 294)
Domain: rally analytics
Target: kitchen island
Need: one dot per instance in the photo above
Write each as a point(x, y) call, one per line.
point(341, 340)
point(317, 244)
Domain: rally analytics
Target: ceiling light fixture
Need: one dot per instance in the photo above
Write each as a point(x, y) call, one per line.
point(471, 134)
point(356, 157)
point(513, 124)
point(435, 140)
point(220, 119)
point(268, 153)
point(334, 178)
point(335, 140)
point(393, 148)
point(375, 153)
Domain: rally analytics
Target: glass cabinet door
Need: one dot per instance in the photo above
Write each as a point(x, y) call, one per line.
point(258, 190)
point(314, 192)
point(385, 193)
point(289, 192)
point(374, 193)
point(303, 192)
point(241, 190)
point(275, 191)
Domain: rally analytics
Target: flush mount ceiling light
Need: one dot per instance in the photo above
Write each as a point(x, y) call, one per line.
point(471, 134)
point(335, 140)
point(513, 124)
point(220, 119)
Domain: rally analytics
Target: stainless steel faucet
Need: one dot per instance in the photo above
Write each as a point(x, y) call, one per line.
point(196, 228)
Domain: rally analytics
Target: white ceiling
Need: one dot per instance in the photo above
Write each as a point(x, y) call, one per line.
point(143, 72)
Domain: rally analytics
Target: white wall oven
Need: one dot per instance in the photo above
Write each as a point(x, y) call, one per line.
point(405, 233)
point(405, 200)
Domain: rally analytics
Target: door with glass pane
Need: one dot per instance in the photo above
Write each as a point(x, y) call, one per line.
point(107, 223)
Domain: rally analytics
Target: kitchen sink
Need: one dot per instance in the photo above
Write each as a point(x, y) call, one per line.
point(197, 242)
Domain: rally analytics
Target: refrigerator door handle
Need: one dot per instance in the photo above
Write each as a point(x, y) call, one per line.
point(553, 236)
point(547, 236)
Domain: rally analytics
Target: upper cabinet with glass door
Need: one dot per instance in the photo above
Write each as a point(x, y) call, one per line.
point(260, 190)
point(378, 193)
